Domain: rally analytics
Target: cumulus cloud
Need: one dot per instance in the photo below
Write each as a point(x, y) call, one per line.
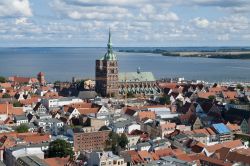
point(220, 3)
point(13, 8)
point(114, 10)
point(234, 6)
point(224, 37)
point(22, 20)
point(135, 22)
point(200, 22)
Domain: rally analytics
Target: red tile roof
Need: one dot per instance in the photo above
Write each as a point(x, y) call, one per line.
point(228, 144)
point(205, 95)
point(86, 111)
point(168, 85)
point(164, 152)
point(57, 161)
point(233, 127)
point(217, 89)
point(168, 126)
point(146, 114)
point(32, 100)
point(209, 161)
point(7, 141)
point(5, 85)
point(36, 138)
point(230, 95)
point(207, 131)
point(8, 108)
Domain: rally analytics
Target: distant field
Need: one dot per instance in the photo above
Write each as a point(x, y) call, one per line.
point(225, 55)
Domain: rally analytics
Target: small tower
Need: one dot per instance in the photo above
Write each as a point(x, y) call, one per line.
point(107, 72)
point(41, 78)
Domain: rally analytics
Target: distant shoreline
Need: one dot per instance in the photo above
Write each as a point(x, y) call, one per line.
point(222, 54)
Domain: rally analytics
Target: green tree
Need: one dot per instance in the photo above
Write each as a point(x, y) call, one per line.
point(165, 100)
point(123, 141)
point(112, 142)
point(57, 82)
point(115, 142)
point(23, 128)
point(130, 95)
point(60, 148)
point(179, 103)
point(17, 104)
point(211, 97)
point(6, 95)
point(239, 86)
point(232, 101)
point(2, 79)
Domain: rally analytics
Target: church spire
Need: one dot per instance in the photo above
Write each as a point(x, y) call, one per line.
point(109, 42)
point(110, 55)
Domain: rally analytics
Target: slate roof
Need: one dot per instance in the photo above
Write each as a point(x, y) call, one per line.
point(52, 120)
point(236, 115)
point(87, 94)
point(21, 117)
point(136, 77)
point(122, 123)
point(31, 160)
point(37, 106)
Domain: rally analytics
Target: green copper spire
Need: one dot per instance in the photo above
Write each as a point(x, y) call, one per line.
point(110, 55)
point(109, 42)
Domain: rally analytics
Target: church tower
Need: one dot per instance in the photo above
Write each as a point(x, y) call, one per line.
point(107, 72)
point(41, 78)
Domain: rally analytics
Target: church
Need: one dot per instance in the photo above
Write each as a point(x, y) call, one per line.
point(110, 82)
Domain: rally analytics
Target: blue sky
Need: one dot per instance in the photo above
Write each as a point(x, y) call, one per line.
point(85, 23)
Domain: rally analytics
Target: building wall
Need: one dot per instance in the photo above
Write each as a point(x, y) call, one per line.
point(106, 77)
point(19, 122)
point(97, 159)
point(225, 137)
point(132, 127)
point(10, 157)
point(90, 140)
point(97, 123)
point(244, 127)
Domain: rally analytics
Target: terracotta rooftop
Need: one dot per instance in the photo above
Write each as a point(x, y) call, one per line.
point(33, 99)
point(168, 85)
point(164, 152)
point(5, 85)
point(168, 126)
point(207, 131)
point(144, 155)
point(238, 157)
point(184, 157)
point(229, 144)
point(8, 108)
point(205, 95)
point(209, 161)
point(7, 141)
point(85, 111)
point(57, 161)
point(81, 105)
point(217, 89)
point(230, 95)
point(233, 127)
point(37, 138)
point(146, 114)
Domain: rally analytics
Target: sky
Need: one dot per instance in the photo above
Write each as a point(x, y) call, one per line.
point(134, 23)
